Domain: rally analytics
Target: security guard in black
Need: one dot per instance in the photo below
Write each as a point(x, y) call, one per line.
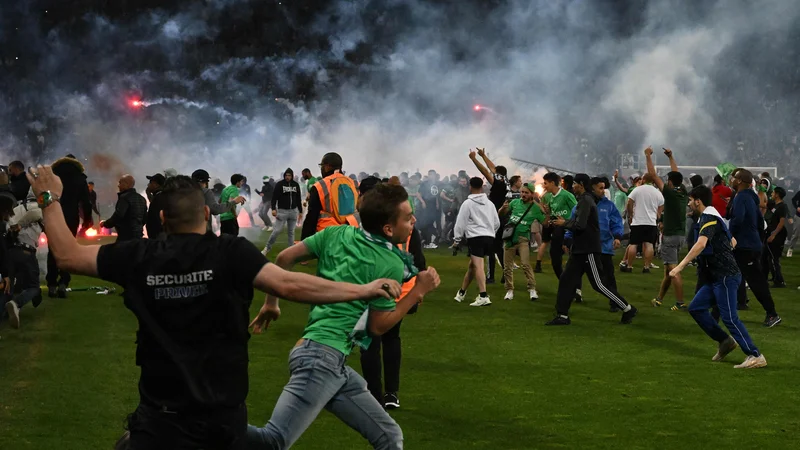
point(191, 294)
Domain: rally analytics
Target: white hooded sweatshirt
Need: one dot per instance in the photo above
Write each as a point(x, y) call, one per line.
point(476, 217)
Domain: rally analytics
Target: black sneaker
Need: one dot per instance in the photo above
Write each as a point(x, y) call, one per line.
point(743, 307)
point(558, 320)
point(37, 299)
point(391, 401)
point(613, 308)
point(770, 322)
point(646, 270)
point(51, 291)
point(626, 269)
point(578, 296)
point(61, 292)
point(490, 280)
point(778, 285)
point(538, 268)
point(627, 317)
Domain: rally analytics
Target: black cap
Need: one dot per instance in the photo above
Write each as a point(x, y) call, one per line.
point(201, 176)
point(158, 178)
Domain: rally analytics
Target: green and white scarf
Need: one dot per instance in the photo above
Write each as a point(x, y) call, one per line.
point(360, 336)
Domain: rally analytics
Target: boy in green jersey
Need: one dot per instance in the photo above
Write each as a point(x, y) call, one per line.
point(319, 376)
point(228, 224)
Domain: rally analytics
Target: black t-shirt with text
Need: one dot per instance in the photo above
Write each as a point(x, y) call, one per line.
point(191, 295)
point(779, 211)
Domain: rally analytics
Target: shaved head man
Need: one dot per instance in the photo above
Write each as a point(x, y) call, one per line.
point(129, 214)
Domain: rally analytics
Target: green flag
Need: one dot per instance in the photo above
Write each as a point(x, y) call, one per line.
point(725, 170)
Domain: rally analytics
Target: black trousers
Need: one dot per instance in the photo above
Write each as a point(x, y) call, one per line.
point(608, 273)
point(749, 262)
point(229, 227)
point(556, 252)
point(771, 259)
point(578, 265)
point(56, 277)
point(371, 363)
point(498, 251)
point(153, 429)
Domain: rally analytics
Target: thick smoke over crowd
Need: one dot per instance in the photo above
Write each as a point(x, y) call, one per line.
point(391, 84)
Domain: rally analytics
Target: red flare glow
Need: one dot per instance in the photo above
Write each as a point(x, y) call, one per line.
point(136, 103)
point(477, 107)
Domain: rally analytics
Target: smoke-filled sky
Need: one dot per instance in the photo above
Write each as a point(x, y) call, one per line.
point(254, 86)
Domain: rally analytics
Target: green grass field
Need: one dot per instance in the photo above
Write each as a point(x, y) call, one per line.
point(472, 378)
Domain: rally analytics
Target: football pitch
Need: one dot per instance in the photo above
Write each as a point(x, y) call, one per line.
point(472, 378)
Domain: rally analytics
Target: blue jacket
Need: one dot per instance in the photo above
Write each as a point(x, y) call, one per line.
point(746, 221)
point(611, 226)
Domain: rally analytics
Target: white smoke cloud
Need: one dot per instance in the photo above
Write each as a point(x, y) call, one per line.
point(549, 74)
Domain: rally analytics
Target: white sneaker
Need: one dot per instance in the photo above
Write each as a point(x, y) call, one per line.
point(266, 250)
point(13, 313)
point(269, 228)
point(534, 294)
point(789, 253)
point(481, 301)
point(509, 295)
point(460, 297)
point(752, 362)
point(579, 293)
point(653, 266)
point(516, 266)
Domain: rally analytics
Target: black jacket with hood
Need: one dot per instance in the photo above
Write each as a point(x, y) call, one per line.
point(75, 196)
point(585, 226)
point(287, 194)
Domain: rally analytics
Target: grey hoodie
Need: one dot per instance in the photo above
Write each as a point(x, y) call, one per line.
point(477, 217)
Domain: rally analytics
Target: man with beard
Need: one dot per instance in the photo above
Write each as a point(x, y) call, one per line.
point(332, 200)
point(74, 202)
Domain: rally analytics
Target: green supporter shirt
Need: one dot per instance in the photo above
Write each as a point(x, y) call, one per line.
point(560, 204)
point(310, 183)
point(620, 201)
point(227, 195)
point(345, 254)
point(674, 217)
point(516, 209)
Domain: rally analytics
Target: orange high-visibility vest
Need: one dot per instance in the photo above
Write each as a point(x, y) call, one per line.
point(408, 285)
point(336, 210)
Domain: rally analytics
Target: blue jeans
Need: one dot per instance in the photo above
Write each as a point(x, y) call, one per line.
point(284, 218)
point(724, 294)
point(320, 379)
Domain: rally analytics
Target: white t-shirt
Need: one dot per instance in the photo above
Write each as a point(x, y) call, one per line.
point(647, 199)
